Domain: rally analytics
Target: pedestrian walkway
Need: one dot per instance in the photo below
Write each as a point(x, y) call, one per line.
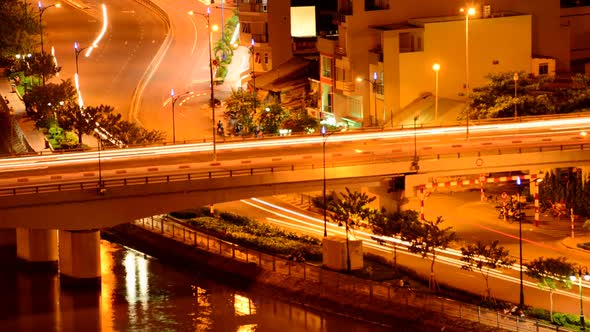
point(33, 137)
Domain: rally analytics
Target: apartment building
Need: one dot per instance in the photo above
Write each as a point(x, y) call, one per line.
point(265, 30)
point(381, 58)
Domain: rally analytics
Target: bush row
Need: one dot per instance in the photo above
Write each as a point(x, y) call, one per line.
point(249, 233)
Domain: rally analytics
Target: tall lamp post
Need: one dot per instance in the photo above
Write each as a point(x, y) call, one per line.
point(581, 272)
point(101, 188)
point(515, 77)
point(521, 302)
point(436, 68)
point(376, 122)
point(77, 51)
point(253, 73)
point(324, 191)
point(415, 165)
point(41, 11)
point(174, 99)
point(212, 91)
point(469, 12)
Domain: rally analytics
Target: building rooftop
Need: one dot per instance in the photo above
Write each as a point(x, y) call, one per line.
point(424, 20)
point(415, 23)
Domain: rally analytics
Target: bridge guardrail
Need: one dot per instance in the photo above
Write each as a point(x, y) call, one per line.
point(357, 290)
point(246, 171)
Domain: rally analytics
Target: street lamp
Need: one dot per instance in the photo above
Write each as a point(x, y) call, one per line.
point(174, 98)
point(469, 12)
point(41, 11)
point(515, 77)
point(101, 188)
point(253, 73)
point(518, 183)
point(376, 122)
point(415, 165)
point(324, 191)
point(436, 68)
point(77, 51)
point(581, 272)
point(212, 91)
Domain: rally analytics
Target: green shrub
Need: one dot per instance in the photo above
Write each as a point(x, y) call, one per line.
point(235, 219)
point(538, 313)
point(244, 231)
point(566, 320)
point(183, 215)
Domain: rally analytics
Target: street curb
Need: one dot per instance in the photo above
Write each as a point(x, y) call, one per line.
point(565, 243)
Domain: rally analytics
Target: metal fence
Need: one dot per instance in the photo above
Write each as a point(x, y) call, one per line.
point(329, 282)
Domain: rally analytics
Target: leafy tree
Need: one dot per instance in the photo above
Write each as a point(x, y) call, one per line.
point(551, 274)
point(485, 257)
point(497, 99)
point(270, 117)
point(131, 134)
point(45, 102)
point(19, 29)
point(299, 121)
point(566, 185)
point(241, 106)
point(83, 121)
point(43, 65)
point(391, 224)
point(535, 96)
point(425, 238)
point(351, 208)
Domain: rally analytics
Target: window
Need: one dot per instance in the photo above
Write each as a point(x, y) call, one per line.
point(543, 68)
point(266, 58)
point(326, 67)
point(376, 4)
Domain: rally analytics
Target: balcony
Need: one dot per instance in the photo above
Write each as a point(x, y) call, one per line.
point(246, 39)
point(345, 86)
point(251, 8)
point(303, 46)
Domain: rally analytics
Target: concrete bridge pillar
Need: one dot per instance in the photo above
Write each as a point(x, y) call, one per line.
point(392, 201)
point(37, 247)
point(79, 257)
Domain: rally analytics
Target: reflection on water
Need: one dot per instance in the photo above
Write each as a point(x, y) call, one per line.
point(140, 293)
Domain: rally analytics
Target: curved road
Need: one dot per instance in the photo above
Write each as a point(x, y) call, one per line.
point(111, 73)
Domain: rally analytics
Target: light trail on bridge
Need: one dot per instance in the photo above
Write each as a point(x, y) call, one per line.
point(543, 129)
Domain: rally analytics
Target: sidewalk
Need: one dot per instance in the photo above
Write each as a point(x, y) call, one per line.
point(34, 138)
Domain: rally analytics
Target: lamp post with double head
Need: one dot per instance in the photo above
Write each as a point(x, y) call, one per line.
point(42, 10)
point(579, 274)
point(468, 12)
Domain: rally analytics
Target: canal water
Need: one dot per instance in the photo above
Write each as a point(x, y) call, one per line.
point(141, 293)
